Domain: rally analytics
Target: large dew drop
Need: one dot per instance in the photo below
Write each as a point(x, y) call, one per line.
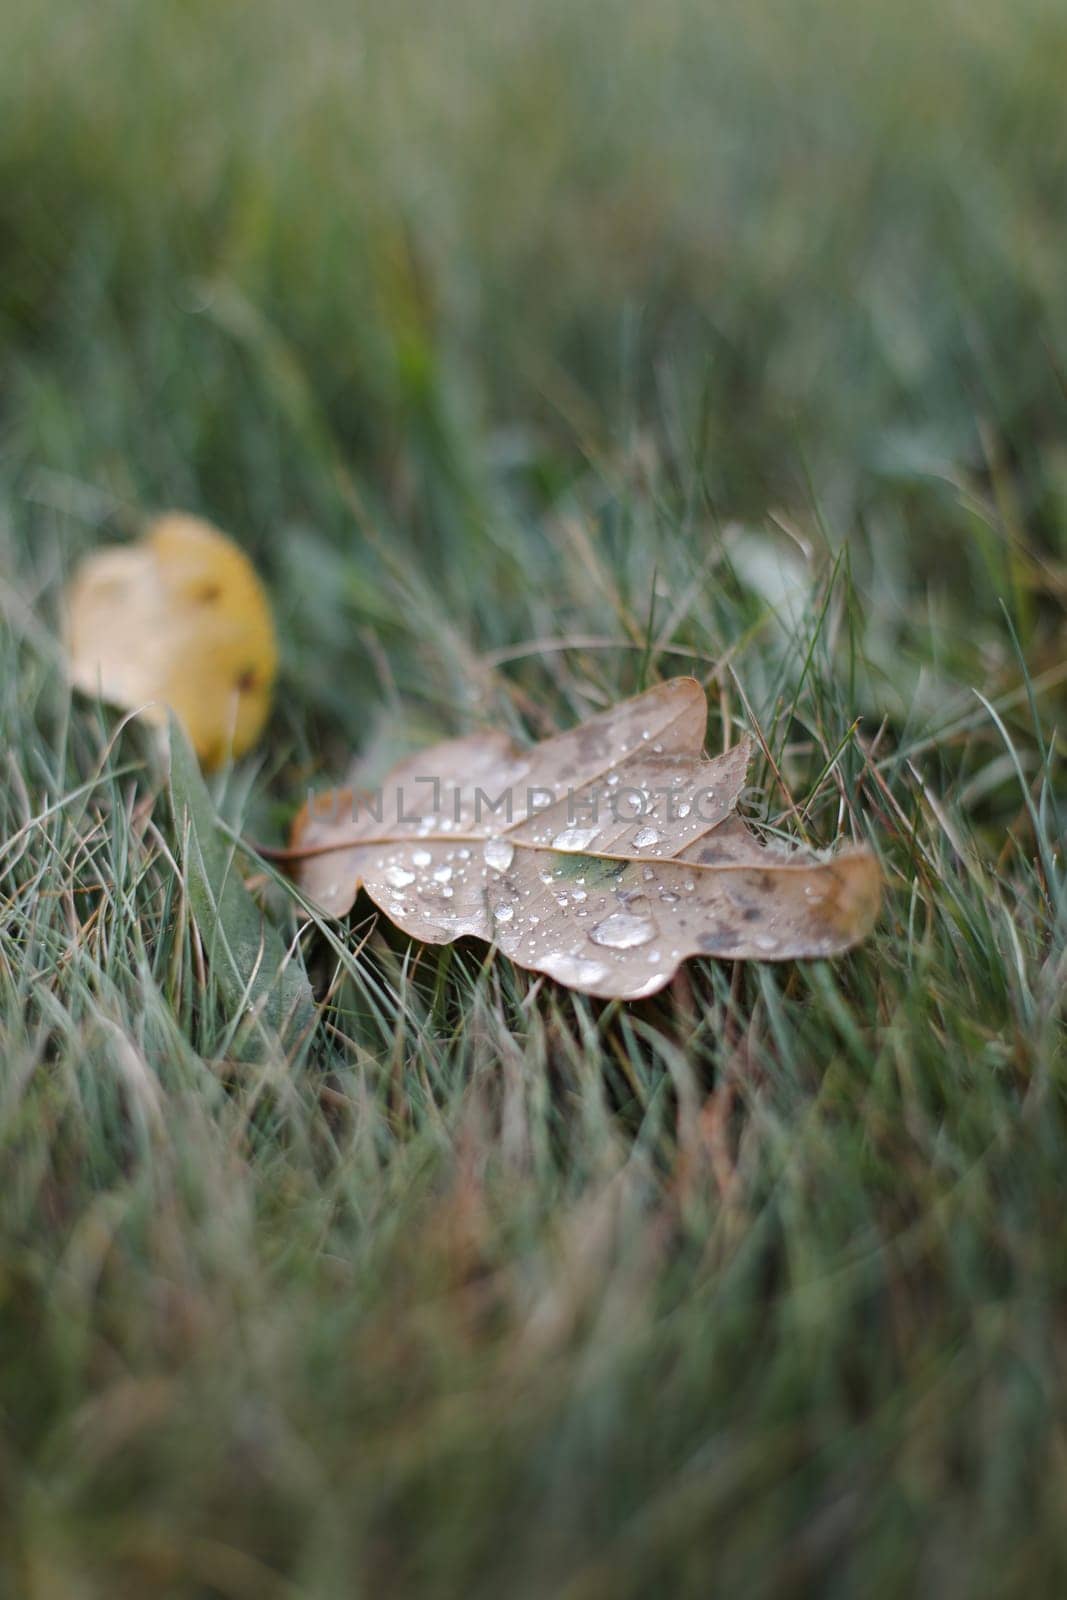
point(399, 877)
point(499, 854)
point(575, 838)
point(574, 970)
point(644, 837)
point(622, 931)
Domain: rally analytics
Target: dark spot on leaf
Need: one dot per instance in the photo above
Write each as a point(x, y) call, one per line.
point(594, 743)
point(713, 852)
point(208, 593)
point(718, 940)
point(751, 913)
point(247, 681)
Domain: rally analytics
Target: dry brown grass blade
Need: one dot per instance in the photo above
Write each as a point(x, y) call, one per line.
point(603, 857)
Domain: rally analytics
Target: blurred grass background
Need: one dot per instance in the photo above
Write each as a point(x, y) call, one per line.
point(711, 332)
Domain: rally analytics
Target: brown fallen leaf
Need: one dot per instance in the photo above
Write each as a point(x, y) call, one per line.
point(179, 619)
point(542, 852)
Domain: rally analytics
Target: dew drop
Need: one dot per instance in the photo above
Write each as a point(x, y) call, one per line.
point(499, 854)
point(649, 986)
point(683, 810)
point(765, 941)
point(503, 913)
point(644, 837)
point(421, 858)
point(575, 838)
point(569, 968)
point(622, 931)
point(442, 874)
point(399, 877)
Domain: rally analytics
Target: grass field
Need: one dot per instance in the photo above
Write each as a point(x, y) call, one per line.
point(537, 352)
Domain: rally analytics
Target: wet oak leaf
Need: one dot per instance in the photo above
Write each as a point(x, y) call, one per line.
point(177, 620)
point(543, 852)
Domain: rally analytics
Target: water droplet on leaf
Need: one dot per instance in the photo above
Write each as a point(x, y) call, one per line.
point(574, 838)
point(499, 854)
point(622, 931)
point(578, 970)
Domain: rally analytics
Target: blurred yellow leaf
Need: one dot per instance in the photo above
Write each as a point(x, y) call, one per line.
point(179, 619)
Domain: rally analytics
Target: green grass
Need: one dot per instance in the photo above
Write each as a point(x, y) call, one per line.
point(537, 353)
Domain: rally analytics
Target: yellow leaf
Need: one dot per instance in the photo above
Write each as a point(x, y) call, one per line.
point(179, 619)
